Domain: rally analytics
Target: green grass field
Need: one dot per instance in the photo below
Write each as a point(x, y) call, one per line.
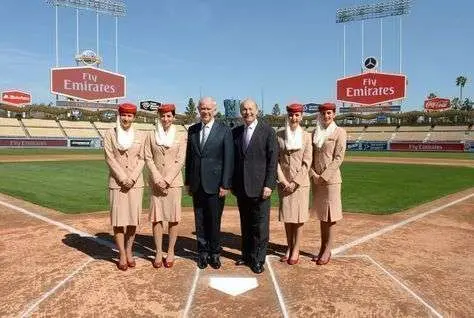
point(75, 187)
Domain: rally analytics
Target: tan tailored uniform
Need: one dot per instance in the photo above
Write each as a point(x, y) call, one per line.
point(166, 164)
point(125, 205)
point(326, 162)
point(293, 166)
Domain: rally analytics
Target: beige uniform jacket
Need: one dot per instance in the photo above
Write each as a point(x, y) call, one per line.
point(328, 158)
point(166, 163)
point(293, 165)
point(125, 164)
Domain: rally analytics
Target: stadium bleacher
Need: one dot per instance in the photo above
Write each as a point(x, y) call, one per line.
point(34, 128)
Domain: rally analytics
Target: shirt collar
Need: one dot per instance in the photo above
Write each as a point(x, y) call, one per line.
point(209, 124)
point(252, 125)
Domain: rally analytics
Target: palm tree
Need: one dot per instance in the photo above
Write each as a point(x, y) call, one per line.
point(461, 82)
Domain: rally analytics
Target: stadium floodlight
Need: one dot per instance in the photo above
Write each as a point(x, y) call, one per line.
point(113, 7)
point(373, 11)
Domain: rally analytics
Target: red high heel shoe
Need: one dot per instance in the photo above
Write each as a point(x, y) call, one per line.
point(323, 262)
point(122, 267)
point(131, 264)
point(293, 261)
point(168, 264)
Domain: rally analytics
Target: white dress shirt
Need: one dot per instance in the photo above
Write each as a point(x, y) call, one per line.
point(205, 130)
point(248, 133)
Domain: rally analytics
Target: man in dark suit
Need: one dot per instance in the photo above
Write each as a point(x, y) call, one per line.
point(256, 155)
point(209, 169)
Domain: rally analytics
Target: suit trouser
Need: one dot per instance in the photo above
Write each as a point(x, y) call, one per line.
point(255, 228)
point(207, 216)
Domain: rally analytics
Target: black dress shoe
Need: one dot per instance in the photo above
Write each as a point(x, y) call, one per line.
point(215, 262)
point(257, 268)
point(202, 262)
point(240, 262)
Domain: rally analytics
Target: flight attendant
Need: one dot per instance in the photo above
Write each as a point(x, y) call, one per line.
point(294, 162)
point(329, 146)
point(124, 153)
point(165, 153)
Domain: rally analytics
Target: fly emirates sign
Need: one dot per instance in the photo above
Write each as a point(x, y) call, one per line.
point(87, 83)
point(371, 88)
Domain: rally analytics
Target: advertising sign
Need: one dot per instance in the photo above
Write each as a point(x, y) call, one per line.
point(35, 142)
point(433, 146)
point(87, 83)
point(371, 88)
point(15, 98)
point(437, 104)
point(367, 146)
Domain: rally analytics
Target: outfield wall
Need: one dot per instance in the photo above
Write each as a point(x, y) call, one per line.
point(96, 143)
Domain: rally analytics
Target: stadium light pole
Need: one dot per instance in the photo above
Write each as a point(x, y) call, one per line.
point(116, 8)
point(373, 11)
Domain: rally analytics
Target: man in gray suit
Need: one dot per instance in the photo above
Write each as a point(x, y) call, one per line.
point(256, 155)
point(209, 169)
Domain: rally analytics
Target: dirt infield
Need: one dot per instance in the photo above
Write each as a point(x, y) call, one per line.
point(83, 157)
point(410, 264)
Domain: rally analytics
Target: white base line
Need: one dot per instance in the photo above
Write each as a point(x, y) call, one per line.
point(277, 289)
point(32, 307)
point(70, 228)
point(437, 314)
point(189, 302)
point(392, 227)
point(59, 224)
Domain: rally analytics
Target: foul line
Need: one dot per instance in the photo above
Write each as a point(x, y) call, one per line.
point(189, 302)
point(405, 287)
point(277, 289)
point(32, 307)
point(392, 227)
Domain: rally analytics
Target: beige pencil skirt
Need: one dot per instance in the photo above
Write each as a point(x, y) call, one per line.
point(294, 208)
point(125, 207)
point(327, 202)
point(166, 207)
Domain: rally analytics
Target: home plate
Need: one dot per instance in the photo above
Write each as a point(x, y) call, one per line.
point(233, 286)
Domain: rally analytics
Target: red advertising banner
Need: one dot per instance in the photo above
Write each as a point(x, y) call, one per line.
point(16, 98)
point(433, 147)
point(38, 142)
point(87, 83)
point(436, 104)
point(371, 88)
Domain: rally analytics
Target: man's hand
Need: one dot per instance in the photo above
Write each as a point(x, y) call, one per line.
point(267, 192)
point(222, 192)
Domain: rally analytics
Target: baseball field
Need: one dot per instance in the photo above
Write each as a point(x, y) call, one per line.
point(404, 248)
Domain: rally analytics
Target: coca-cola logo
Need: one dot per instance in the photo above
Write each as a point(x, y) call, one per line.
point(437, 103)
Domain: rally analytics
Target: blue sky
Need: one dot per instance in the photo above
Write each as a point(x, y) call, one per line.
point(289, 50)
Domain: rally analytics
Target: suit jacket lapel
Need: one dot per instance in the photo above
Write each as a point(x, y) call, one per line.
point(254, 137)
point(195, 138)
point(211, 135)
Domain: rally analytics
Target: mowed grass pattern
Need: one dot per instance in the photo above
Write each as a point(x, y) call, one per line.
point(80, 186)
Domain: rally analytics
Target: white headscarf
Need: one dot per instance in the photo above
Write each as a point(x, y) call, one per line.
point(124, 137)
point(321, 133)
point(164, 138)
point(294, 139)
